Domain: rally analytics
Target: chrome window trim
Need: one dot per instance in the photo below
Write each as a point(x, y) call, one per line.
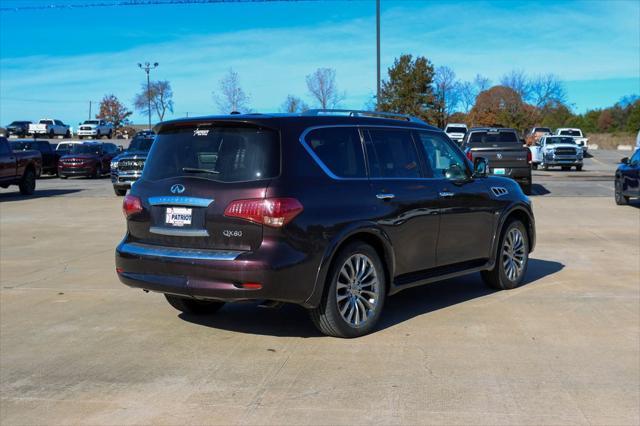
point(171, 200)
point(179, 232)
point(144, 250)
point(360, 128)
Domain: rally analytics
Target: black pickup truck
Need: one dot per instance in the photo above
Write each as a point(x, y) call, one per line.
point(505, 152)
point(19, 168)
point(50, 156)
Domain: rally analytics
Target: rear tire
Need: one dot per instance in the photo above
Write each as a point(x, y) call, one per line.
point(98, 172)
point(28, 183)
point(534, 166)
point(120, 192)
point(578, 168)
point(68, 134)
point(621, 200)
point(512, 258)
point(354, 295)
point(193, 306)
point(526, 188)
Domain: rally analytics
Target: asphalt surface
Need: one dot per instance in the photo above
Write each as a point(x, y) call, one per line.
point(78, 347)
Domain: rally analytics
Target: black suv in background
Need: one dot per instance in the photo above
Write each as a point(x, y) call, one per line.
point(332, 210)
point(18, 128)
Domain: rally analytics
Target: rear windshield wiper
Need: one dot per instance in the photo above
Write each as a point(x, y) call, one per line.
point(196, 170)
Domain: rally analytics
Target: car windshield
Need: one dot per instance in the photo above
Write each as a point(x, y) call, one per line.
point(489, 137)
point(140, 144)
point(84, 149)
point(560, 140)
point(91, 122)
point(225, 154)
point(19, 123)
point(46, 122)
point(456, 130)
point(570, 133)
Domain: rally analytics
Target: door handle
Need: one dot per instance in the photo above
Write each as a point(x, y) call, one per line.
point(385, 196)
point(446, 194)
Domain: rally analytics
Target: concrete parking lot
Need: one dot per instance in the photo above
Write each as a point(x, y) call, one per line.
point(78, 347)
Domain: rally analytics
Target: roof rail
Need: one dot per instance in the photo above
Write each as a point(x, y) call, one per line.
point(357, 113)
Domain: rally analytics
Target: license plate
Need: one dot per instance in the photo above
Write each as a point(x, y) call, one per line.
point(498, 171)
point(178, 216)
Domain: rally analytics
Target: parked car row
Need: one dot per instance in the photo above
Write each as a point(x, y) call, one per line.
point(51, 128)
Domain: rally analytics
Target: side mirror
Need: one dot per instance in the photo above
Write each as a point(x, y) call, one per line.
point(625, 160)
point(480, 167)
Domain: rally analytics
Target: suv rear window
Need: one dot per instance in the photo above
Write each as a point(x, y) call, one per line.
point(489, 137)
point(456, 130)
point(225, 154)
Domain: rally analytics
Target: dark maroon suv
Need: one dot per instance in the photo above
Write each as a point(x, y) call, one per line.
point(332, 210)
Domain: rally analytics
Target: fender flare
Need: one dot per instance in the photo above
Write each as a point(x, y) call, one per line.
point(334, 245)
point(518, 207)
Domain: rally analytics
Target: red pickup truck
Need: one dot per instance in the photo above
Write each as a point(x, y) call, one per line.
point(20, 168)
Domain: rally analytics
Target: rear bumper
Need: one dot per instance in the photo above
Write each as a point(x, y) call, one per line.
point(518, 174)
point(283, 274)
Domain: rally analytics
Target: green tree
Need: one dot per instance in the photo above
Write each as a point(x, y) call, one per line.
point(409, 88)
point(633, 120)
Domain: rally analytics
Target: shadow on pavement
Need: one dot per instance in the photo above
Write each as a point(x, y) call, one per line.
point(538, 189)
point(293, 321)
point(16, 196)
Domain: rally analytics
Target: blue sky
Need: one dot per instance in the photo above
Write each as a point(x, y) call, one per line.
point(53, 61)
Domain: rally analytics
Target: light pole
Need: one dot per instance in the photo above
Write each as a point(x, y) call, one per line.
point(146, 68)
point(378, 51)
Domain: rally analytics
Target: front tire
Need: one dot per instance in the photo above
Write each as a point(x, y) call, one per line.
point(193, 306)
point(354, 295)
point(621, 200)
point(28, 183)
point(98, 172)
point(512, 258)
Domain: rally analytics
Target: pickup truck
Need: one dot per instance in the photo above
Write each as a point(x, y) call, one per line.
point(581, 140)
point(456, 132)
point(558, 151)
point(50, 128)
point(95, 129)
point(20, 168)
point(127, 167)
point(50, 156)
point(504, 151)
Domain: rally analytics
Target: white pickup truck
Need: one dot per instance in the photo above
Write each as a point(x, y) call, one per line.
point(556, 151)
point(456, 132)
point(95, 129)
point(577, 135)
point(50, 127)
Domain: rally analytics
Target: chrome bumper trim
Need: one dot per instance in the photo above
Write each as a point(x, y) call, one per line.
point(149, 251)
point(179, 232)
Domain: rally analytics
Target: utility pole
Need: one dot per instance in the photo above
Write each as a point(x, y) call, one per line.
point(378, 51)
point(146, 68)
point(89, 110)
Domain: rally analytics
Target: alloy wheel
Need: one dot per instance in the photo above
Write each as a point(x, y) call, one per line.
point(513, 254)
point(357, 290)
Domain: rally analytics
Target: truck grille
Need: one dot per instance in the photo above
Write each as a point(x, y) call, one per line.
point(565, 151)
point(130, 165)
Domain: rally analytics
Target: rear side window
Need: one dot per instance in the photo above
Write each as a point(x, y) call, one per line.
point(339, 149)
point(225, 154)
point(392, 154)
point(456, 130)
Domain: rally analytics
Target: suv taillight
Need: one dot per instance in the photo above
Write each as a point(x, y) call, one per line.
point(470, 156)
point(275, 212)
point(131, 205)
point(529, 156)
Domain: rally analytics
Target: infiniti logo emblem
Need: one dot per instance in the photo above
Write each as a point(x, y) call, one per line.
point(177, 188)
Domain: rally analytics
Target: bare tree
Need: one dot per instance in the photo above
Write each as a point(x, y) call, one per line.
point(231, 97)
point(518, 81)
point(481, 83)
point(159, 95)
point(547, 90)
point(322, 86)
point(447, 92)
point(293, 104)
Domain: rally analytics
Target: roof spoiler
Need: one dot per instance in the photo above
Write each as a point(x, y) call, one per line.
point(357, 113)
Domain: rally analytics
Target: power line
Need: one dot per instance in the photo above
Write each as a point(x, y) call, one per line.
point(122, 3)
